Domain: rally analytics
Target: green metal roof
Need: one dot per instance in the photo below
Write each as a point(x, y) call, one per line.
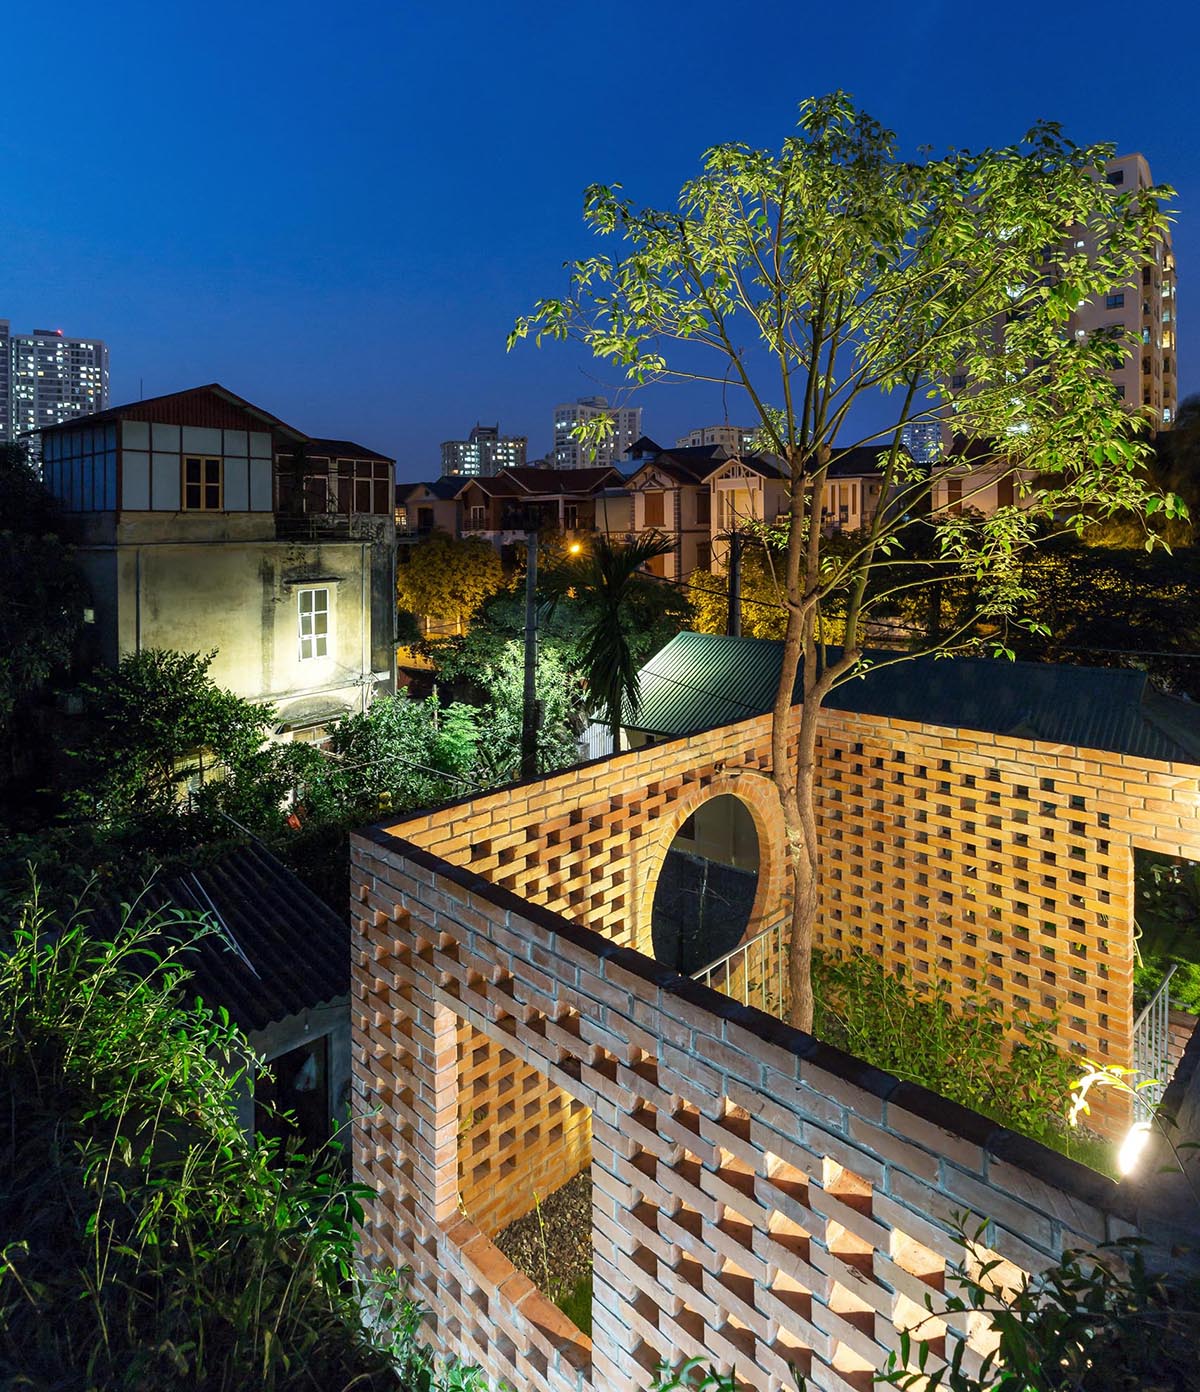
point(700, 680)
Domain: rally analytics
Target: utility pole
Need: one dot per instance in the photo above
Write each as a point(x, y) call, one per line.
point(733, 625)
point(529, 711)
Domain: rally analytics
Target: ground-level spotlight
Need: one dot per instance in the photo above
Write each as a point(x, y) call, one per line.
point(1135, 1142)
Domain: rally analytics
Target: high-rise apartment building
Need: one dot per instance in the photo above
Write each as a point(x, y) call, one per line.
point(1144, 310)
point(483, 453)
point(737, 439)
point(572, 453)
point(47, 378)
point(923, 440)
point(1142, 314)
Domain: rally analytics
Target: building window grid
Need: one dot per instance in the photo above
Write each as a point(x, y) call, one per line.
point(314, 623)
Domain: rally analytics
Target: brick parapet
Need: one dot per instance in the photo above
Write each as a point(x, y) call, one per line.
point(759, 1198)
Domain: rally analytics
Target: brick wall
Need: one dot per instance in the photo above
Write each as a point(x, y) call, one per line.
point(760, 1200)
point(994, 863)
point(1181, 1025)
point(520, 1137)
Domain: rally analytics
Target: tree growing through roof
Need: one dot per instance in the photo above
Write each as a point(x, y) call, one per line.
point(835, 270)
point(446, 579)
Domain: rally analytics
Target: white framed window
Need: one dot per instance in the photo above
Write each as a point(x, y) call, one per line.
point(314, 623)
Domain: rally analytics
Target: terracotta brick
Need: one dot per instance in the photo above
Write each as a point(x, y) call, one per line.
point(661, 1061)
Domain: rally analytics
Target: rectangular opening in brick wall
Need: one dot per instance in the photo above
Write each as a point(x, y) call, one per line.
point(524, 1169)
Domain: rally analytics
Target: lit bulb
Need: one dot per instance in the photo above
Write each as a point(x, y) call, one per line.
point(1136, 1140)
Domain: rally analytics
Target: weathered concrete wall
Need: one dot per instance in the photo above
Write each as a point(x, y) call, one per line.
point(239, 595)
point(759, 1201)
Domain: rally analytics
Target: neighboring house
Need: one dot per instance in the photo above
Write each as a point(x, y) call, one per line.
point(972, 477)
point(746, 489)
point(671, 494)
point(853, 489)
point(203, 521)
point(574, 502)
point(425, 508)
point(280, 965)
point(698, 496)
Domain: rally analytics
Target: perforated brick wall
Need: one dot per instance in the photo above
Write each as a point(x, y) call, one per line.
point(520, 1137)
point(989, 862)
point(759, 1200)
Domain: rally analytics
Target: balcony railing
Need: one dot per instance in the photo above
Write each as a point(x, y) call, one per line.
point(752, 973)
point(333, 526)
point(1151, 1047)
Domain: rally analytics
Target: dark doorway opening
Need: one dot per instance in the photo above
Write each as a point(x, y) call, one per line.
point(296, 1083)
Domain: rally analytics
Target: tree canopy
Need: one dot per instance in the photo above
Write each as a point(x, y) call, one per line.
point(836, 270)
point(444, 580)
point(42, 592)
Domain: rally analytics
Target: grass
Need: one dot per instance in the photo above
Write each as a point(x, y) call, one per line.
point(577, 1305)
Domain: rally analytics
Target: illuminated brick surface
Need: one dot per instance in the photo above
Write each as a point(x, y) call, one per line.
point(758, 1199)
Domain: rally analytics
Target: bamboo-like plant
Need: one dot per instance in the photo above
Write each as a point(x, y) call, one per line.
point(144, 1240)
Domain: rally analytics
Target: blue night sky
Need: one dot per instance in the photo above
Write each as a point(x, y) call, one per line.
point(338, 210)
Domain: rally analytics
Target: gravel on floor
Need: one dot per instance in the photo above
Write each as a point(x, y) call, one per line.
point(555, 1251)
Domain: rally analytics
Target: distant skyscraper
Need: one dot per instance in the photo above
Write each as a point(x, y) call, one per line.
point(483, 454)
point(1141, 314)
point(46, 378)
point(1144, 310)
point(737, 439)
point(923, 440)
point(571, 453)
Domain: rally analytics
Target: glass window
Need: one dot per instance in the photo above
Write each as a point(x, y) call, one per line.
point(1116, 301)
point(314, 623)
point(201, 484)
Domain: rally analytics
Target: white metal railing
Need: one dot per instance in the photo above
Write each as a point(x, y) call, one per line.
point(1151, 1046)
point(752, 973)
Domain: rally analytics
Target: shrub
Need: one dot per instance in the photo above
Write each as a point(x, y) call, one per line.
point(1009, 1070)
point(146, 1241)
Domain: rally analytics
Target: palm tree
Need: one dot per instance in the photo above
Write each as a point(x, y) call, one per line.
point(607, 578)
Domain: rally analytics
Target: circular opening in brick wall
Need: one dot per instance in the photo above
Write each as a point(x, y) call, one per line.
point(707, 887)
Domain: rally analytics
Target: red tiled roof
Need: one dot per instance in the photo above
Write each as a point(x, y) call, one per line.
point(554, 481)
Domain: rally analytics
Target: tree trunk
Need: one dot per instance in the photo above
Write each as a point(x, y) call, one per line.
point(793, 767)
point(797, 794)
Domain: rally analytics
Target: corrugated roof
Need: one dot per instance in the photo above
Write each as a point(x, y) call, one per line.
point(281, 950)
point(342, 449)
point(700, 680)
point(209, 405)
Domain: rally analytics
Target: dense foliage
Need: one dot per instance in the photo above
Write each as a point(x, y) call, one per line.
point(763, 611)
point(162, 744)
point(1168, 921)
point(146, 1242)
point(42, 599)
point(444, 579)
point(974, 1055)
